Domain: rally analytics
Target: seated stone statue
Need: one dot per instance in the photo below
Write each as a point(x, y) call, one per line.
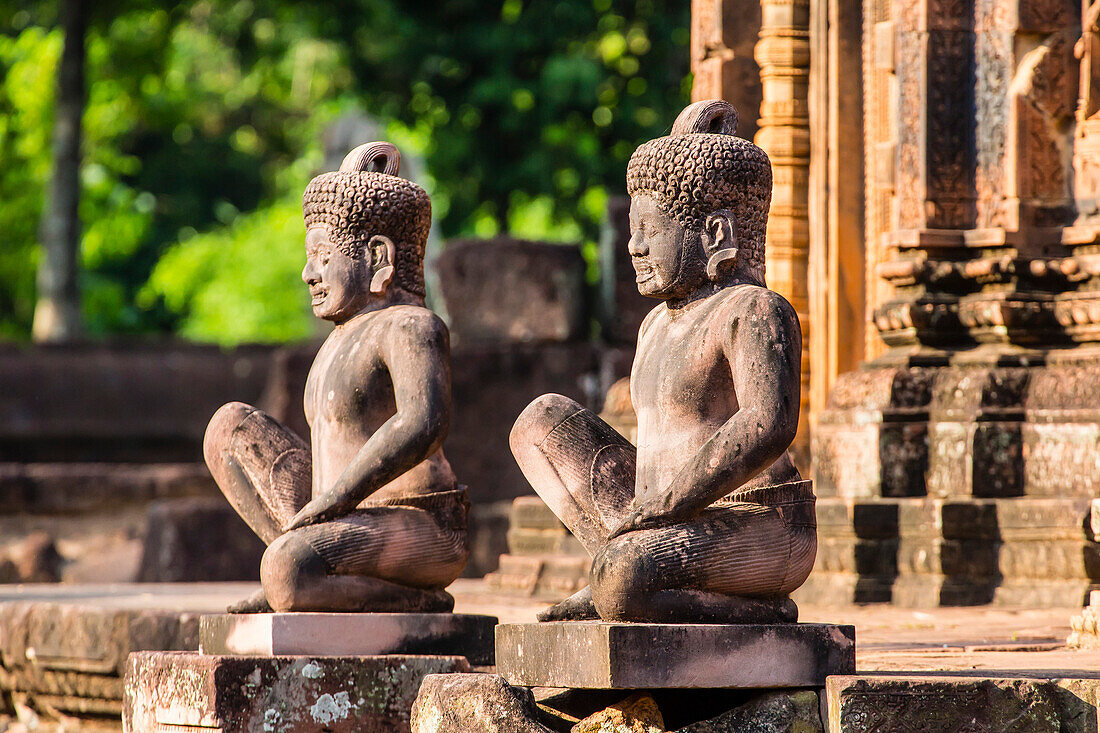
point(707, 520)
point(370, 518)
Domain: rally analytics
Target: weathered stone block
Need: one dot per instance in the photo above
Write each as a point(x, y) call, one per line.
point(349, 634)
point(601, 655)
point(537, 293)
point(474, 703)
point(980, 704)
point(868, 458)
point(179, 536)
point(353, 694)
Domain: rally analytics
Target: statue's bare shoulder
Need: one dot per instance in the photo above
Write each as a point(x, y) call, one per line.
point(757, 314)
point(413, 332)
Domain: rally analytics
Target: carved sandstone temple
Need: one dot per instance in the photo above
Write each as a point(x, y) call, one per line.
point(936, 223)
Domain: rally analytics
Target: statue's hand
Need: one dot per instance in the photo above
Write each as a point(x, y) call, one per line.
point(643, 516)
point(323, 508)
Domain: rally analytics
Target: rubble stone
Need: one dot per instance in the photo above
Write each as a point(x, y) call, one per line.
point(636, 714)
point(777, 712)
point(474, 703)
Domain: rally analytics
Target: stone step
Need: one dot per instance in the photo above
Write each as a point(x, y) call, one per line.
point(70, 488)
point(525, 541)
point(531, 512)
point(546, 577)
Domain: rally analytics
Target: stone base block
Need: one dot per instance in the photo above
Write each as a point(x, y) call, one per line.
point(188, 692)
point(981, 704)
point(599, 655)
point(349, 634)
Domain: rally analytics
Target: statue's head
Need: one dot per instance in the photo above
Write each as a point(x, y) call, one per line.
point(698, 205)
point(366, 229)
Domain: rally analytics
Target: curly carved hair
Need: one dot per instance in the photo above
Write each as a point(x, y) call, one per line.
point(355, 204)
point(701, 168)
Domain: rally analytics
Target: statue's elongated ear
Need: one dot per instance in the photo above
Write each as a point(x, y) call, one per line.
point(721, 228)
point(382, 257)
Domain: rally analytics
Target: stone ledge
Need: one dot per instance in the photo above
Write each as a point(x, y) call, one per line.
point(348, 634)
point(599, 655)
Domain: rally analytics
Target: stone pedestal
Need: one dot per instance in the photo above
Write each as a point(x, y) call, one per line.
point(186, 691)
point(349, 634)
point(600, 655)
point(292, 672)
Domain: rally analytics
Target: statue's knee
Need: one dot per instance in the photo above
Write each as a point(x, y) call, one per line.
point(289, 572)
point(221, 427)
point(540, 417)
point(623, 581)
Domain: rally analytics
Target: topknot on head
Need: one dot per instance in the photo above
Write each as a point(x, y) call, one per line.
point(376, 157)
point(367, 198)
point(713, 116)
point(702, 168)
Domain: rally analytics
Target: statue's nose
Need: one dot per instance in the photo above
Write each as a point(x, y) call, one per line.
point(310, 273)
point(637, 246)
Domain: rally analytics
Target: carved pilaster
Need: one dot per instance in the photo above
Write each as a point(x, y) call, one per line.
point(934, 166)
point(783, 53)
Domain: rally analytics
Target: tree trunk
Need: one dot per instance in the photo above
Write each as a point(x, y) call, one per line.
point(57, 312)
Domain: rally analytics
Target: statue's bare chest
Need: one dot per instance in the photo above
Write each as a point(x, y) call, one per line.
point(349, 382)
point(681, 367)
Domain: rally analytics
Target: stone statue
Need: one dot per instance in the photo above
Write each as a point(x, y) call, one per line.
point(370, 518)
point(707, 520)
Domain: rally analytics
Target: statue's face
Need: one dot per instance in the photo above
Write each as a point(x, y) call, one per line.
point(338, 285)
point(665, 255)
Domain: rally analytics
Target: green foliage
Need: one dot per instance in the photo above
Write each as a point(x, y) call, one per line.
point(522, 103)
point(205, 120)
point(241, 282)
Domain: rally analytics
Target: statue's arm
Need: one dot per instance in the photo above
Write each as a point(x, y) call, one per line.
point(764, 348)
point(416, 355)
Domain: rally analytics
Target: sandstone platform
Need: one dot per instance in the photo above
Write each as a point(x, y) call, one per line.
point(185, 691)
point(600, 655)
point(349, 634)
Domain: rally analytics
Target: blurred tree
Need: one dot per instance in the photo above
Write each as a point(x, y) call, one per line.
point(57, 314)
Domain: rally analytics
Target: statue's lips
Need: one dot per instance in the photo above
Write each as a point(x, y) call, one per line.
point(318, 296)
point(643, 271)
